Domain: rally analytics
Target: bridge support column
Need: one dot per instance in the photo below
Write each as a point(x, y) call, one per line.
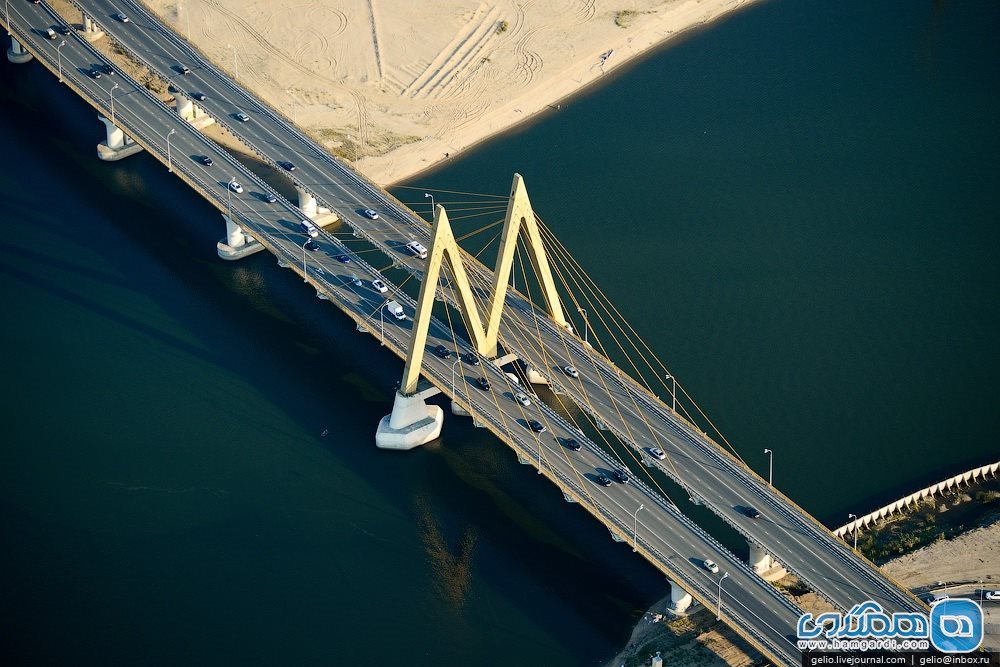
point(184, 106)
point(534, 377)
point(680, 600)
point(764, 564)
point(16, 53)
point(118, 145)
point(91, 32)
point(307, 203)
point(237, 244)
point(412, 423)
point(457, 409)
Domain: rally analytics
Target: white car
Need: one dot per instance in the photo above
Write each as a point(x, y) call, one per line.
point(657, 453)
point(379, 286)
point(242, 117)
point(370, 214)
point(710, 566)
point(522, 399)
point(417, 249)
point(235, 187)
point(121, 17)
point(991, 595)
point(571, 371)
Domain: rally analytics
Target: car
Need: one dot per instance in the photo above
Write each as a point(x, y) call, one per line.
point(235, 187)
point(184, 69)
point(242, 117)
point(572, 444)
point(470, 359)
point(483, 383)
point(619, 476)
point(656, 453)
point(64, 30)
point(207, 161)
point(173, 89)
point(938, 597)
point(991, 595)
point(571, 371)
point(370, 214)
point(752, 512)
point(710, 566)
point(201, 97)
point(379, 286)
point(343, 259)
point(417, 249)
point(269, 198)
point(120, 17)
point(536, 426)
point(95, 73)
point(603, 480)
point(442, 351)
point(286, 165)
point(522, 398)
point(357, 283)
point(311, 246)
point(50, 33)
point(108, 69)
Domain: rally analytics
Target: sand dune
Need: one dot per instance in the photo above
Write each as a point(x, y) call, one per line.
point(399, 85)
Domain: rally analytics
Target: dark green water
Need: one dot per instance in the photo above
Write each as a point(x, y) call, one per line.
point(805, 197)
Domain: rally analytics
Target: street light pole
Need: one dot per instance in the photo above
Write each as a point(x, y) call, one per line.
point(635, 527)
point(457, 362)
point(304, 244)
point(170, 166)
point(113, 112)
point(426, 195)
point(586, 325)
point(538, 443)
point(770, 465)
point(854, 516)
point(718, 615)
point(229, 196)
point(6, 5)
point(59, 60)
point(673, 392)
point(381, 322)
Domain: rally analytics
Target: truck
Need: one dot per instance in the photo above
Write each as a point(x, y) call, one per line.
point(396, 310)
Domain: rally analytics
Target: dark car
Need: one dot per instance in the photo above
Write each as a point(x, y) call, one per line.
point(571, 443)
point(752, 512)
point(95, 73)
point(603, 480)
point(269, 198)
point(64, 30)
point(470, 359)
point(536, 426)
point(311, 246)
point(442, 351)
point(287, 166)
point(207, 161)
point(107, 69)
point(619, 476)
point(343, 259)
point(483, 383)
point(199, 96)
point(173, 89)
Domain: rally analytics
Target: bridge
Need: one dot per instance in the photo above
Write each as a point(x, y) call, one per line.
point(542, 340)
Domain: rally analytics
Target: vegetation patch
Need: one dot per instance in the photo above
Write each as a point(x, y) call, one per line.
point(624, 17)
point(502, 27)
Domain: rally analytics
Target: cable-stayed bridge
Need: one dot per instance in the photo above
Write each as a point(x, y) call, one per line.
point(611, 412)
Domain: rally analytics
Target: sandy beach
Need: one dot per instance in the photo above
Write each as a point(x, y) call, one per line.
point(398, 86)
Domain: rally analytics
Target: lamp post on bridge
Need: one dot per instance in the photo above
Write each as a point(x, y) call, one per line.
point(170, 165)
point(770, 465)
point(635, 527)
point(538, 445)
point(426, 195)
point(59, 61)
point(457, 362)
point(229, 196)
point(304, 244)
point(673, 392)
point(381, 322)
point(854, 516)
point(113, 115)
point(6, 5)
point(718, 615)
point(586, 326)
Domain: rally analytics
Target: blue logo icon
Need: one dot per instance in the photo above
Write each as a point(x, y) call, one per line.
point(956, 625)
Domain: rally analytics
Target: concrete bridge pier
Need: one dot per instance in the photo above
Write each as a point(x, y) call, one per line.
point(412, 423)
point(307, 203)
point(16, 53)
point(118, 145)
point(191, 112)
point(91, 32)
point(680, 599)
point(458, 410)
point(237, 244)
point(764, 564)
point(533, 376)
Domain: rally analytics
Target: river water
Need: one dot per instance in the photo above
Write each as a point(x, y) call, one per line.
point(796, 208)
